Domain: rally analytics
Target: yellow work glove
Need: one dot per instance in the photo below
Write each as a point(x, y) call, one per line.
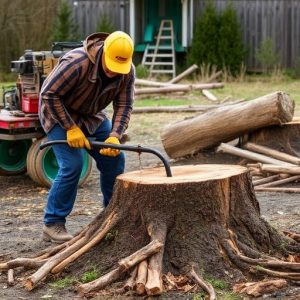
point(77, 139)
point(109, 151)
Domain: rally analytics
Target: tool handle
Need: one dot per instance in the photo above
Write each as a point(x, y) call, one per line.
point(139, 149)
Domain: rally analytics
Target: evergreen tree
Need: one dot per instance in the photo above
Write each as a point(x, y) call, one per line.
point(230, 45)
point(64, 28)
point(267, 56)
point(204, 48)
point(104, 24)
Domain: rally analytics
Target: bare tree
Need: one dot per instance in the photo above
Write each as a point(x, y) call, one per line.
point(24, 24)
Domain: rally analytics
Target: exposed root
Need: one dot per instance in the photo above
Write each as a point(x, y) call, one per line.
point(94, 241)
point(40, 258)
point(286, 275)
point(124, 265)
point(29, 263)
point(292, 235)
point(237, 257)
point(237, 246)
point(231, 252)
point(42, 272)
point(253, 253)
point(206, 286)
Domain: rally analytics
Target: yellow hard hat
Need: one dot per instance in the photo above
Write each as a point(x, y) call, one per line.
point(118, 51)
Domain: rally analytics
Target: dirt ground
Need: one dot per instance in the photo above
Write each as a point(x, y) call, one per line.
point(22, 202)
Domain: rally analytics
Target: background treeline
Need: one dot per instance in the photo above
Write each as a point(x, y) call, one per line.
point(24, 24)
point(36, 24)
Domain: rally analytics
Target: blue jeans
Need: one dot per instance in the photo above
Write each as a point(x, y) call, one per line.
point(63, 191)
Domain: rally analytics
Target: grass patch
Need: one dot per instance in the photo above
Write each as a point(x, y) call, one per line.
point(163, 101)
point(199, 296)
point(218, 284)
point(62, 283)
point(90, 275)
point(228, 295)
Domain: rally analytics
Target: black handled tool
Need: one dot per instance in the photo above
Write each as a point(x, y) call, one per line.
point(138, 149)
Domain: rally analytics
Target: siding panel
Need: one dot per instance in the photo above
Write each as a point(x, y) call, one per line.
point(259, 19)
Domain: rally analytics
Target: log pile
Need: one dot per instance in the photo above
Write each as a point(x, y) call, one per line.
point(172, 86)
point(267, 139)
point(271, 169)
point(226, 123)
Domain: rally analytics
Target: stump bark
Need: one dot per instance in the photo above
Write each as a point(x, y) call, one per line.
point(205, 219)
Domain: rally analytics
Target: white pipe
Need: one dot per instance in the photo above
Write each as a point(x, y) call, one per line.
point(191, 21)
point(132, 19)
point(184, 22)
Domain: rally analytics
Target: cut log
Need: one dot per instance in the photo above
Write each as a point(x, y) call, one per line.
point(266, 180)
point(224, 124)
point(177, 88)
point(150, 83)
point(124, 265)
point(273, 153)
point(277, 189)
point(214, 76)
point(281, 181)
point(284, 138)
point(203, 216)
point(226, 148)
point(293, 170)
point(172, 109)
point(209, 95)
point(154, 286)
point(162, 90)
point(187, 72)
point(10, 277)
point(141, 277)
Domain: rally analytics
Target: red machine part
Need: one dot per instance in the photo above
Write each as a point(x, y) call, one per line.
point(30, 103)
point(12, 122)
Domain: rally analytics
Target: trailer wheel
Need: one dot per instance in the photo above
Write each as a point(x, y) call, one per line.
point(13, 156)
point(46, 167)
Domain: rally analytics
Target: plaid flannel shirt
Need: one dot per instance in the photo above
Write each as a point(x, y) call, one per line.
point(72, 94)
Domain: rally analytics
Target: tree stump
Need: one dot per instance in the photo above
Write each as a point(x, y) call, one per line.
point(205, 218)
point(284, 138)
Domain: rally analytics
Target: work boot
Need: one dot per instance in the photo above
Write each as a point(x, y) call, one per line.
point(56, 233)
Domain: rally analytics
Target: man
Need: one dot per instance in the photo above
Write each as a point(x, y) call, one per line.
point(84, 82)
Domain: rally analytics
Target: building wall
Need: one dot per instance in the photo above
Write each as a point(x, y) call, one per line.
point(87, 14)
point(259, 19)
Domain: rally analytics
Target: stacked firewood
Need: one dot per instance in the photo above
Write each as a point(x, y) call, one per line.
point(271, 169)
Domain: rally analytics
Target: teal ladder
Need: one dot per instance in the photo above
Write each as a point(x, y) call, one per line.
point(160, 58)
